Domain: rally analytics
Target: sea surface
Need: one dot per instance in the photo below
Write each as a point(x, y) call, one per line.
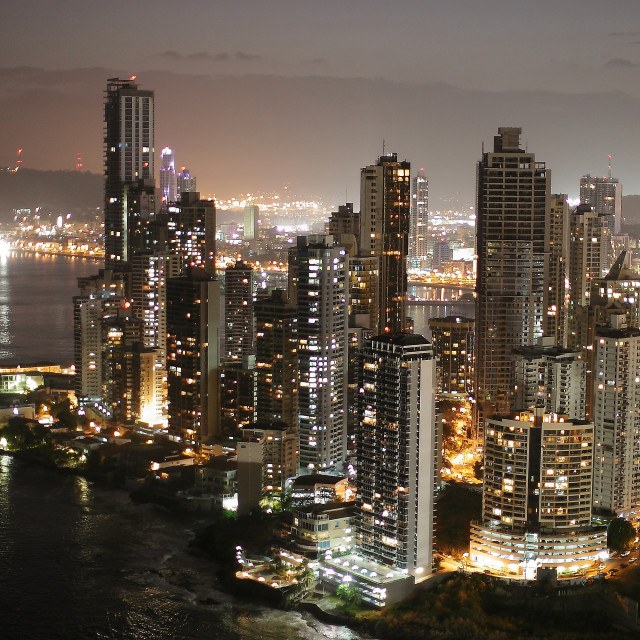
point(79, 561)
point(36, 308)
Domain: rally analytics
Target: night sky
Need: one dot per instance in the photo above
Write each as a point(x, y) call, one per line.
point(258, 94)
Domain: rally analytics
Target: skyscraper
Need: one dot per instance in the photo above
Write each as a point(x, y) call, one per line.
point(185, 182)
point(322, 351)
point(385, 199)
point(239, 333)
point(419, 218)
point(277, 359)
point(192, 232)
point(129, 139)
point(453, 340)
point(604, 196)
point(168, 176)
point(251, 213)
point(555, 324)
point(97, 294)
point(512, 244)
point(616, 483)
point(193, 339)
point(397, 453)
point(537, 489)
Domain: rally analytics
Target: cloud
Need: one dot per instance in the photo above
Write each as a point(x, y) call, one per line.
point(200, 55)
point(619, 63)
point(241, 55)
point(624, 34)
point(173, 55)
point(217, 57)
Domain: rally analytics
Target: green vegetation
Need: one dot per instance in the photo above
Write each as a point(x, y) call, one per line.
point(20, 434)
point(620, 535)
point(474, 608)
point(458, 505)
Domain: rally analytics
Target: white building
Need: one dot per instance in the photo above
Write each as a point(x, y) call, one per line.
point(536, 504)
point(616, 417)
point(397, 453)
point(322, 271)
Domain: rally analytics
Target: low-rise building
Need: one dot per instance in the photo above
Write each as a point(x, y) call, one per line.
point(322, 528)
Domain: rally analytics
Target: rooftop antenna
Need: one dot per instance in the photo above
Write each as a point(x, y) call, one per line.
point(384, 145)
point(609, 172)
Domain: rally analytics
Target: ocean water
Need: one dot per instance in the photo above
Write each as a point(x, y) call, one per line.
point(83, 562)
point(36, 308)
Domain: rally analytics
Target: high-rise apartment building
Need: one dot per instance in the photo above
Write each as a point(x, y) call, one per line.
point(550, 377)
point(587, 257)
point(616, 485)
point(185, 182)
point(322, 351)
point(149, 274)
point(239, 333)
point(276, 359)
point(97, 294)
point(129, 139)
point(537, 489)
point(192, 232)
point(397, 453)
point(512, 244)
point(419, 218)
point(385, 202)
point(251, 217)
point(238, 373)
point(345, 221)
point(193, 358)
point(604, 196)
point(168, 188)
point(555, 324)
point(453, 343)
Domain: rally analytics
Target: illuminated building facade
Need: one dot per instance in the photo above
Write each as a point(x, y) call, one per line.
point(192, 232)
point(604, 196)
point(129, 167)
point(97, 294)
point(555, 324)
point(149, 275)
point(397, 453)
point(453, 340)
point(512, 244)
point(185, 182)
point(193, 339)
point(322, 351)
point(550, 377)
point(279, 445)
point(385, 202)
point(537, 490)
point(277, 359)
point(419, 218)
point(239, 332)
point(251, 216)
point(616, 418)
point(168, 188)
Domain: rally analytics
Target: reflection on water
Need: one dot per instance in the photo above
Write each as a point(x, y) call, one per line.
point(421, 314)
point(36, 308)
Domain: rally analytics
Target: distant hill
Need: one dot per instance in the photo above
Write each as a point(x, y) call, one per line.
point(53, 191)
